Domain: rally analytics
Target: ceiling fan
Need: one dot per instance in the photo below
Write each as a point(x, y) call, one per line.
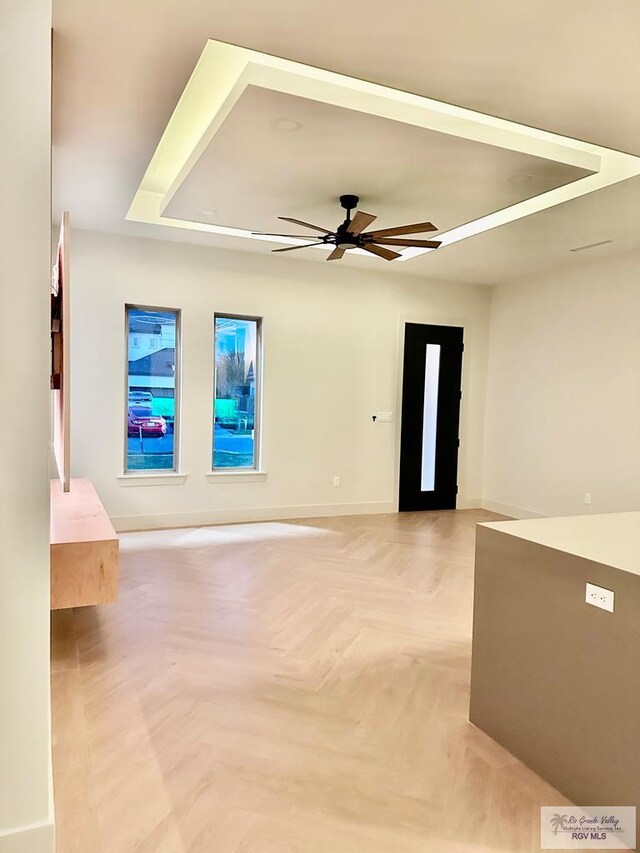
point(352, 235)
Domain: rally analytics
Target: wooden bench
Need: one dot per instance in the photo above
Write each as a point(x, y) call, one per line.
point(84, 548)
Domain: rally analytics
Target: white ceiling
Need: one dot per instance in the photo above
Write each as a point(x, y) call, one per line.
point(567, 67)
point(252, 172)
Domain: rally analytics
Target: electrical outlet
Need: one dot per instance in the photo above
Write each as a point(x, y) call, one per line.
point(385, 417)
point(587, 497)
point(600, 597)
point(336, 482)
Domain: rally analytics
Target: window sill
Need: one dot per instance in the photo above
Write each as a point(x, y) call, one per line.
point(170, 478)
point(236, 475)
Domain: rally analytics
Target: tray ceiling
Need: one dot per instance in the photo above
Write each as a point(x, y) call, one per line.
point(224, 73)
point(253, 170)
point(544, 64)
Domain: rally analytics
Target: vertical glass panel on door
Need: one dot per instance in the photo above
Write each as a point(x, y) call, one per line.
point(430, 417)
point(152, 389)
point(236, 392)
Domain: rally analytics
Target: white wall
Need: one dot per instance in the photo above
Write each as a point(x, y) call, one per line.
point(563, 397)
point(331, 359)
point(26, 819)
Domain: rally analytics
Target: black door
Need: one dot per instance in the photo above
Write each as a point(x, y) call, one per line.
point(431, 384)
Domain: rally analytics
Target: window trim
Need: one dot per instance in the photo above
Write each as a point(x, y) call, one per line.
point(169, 478)
point(236, 475)
point(258, 373)
point(177, 393)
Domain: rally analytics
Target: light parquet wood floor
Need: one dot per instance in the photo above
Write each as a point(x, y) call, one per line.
point(284, 687)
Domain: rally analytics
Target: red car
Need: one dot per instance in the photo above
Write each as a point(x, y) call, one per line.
point(140, 418)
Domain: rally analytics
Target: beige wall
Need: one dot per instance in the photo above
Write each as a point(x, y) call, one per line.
point(331, 360)
point(563, 395)
point(25, 781)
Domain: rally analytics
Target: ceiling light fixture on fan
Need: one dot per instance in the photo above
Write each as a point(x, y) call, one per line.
point(352, 235)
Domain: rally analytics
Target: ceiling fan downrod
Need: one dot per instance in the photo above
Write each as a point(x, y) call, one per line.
point(349, 202)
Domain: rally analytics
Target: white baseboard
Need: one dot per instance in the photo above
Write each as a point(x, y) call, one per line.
point(469, 503)
point(507, 509)
point(124, 523)
point(29, 839)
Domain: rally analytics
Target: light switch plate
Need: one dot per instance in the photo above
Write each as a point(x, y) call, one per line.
point(600, 597)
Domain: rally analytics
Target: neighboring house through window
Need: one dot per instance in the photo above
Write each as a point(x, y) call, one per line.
point(237, 372)
point(153, 386)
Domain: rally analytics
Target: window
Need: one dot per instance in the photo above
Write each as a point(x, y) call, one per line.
point(236, 410)
point(152, 389)
point(430, 417)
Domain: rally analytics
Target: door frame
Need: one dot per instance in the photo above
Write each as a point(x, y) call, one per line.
point(468, 337)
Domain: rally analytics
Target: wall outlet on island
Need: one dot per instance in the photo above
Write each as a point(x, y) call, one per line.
point(587, 497)
point(600, 597)
point(336, 481)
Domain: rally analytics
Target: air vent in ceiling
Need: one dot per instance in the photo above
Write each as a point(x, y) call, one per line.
point(590, 246)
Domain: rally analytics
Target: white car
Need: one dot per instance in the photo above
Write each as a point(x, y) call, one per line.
point(141, 397)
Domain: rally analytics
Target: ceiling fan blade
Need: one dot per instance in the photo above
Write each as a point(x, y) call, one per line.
point(294, 236)
point(423, 244)
point(417, 228)
point(292, 248)
point(305, 224)
point(336, 254)
point(361, 221)
point(387, 254)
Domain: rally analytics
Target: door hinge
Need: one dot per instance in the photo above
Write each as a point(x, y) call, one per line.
point(458, 442)
point(456, 490)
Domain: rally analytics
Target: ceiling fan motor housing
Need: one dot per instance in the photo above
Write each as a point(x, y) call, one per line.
point(344, 239)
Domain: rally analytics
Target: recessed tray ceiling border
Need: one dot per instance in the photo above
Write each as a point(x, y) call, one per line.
point(224, 71)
